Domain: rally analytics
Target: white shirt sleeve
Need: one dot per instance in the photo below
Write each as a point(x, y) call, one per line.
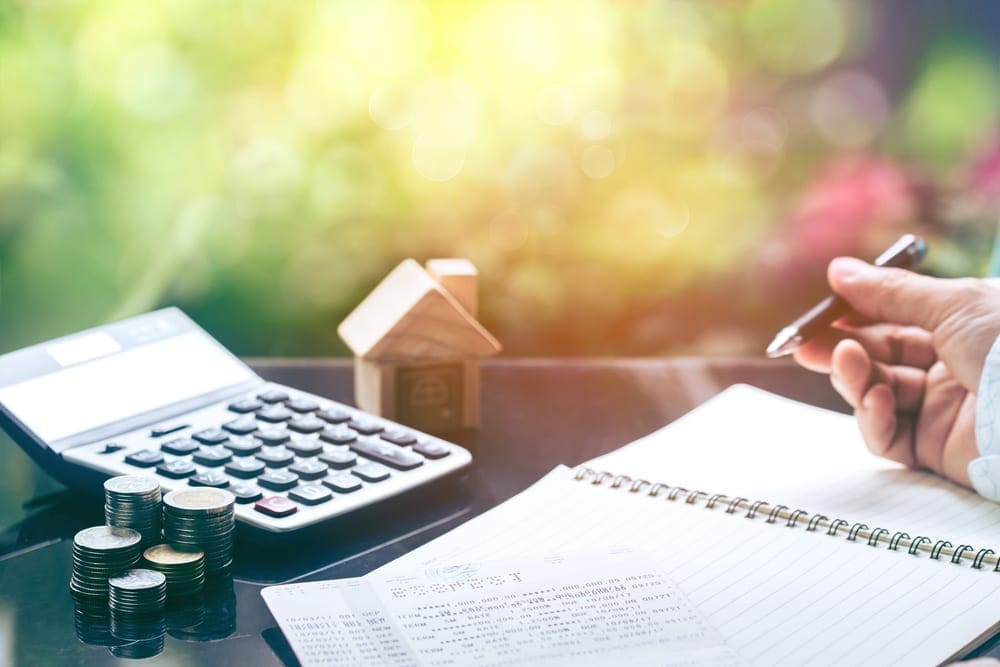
point(984, 472)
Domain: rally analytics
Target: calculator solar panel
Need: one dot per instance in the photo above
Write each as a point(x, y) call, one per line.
point(156, 395)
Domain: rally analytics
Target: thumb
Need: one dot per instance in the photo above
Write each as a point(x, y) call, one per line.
point(894, 295)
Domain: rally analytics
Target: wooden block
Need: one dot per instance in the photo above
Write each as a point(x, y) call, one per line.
point(459, 278)
point(374, 387)
point(409, 316)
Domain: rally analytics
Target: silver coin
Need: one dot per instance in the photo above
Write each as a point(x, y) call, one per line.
point(129, 484)
point(138, 578)
point(107, 538)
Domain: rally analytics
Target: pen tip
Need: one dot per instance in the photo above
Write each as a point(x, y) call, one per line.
point(786, 342)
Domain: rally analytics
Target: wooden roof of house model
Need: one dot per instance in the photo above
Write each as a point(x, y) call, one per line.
point(410, 315)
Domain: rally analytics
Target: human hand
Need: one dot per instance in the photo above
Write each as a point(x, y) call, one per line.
point(908, 360)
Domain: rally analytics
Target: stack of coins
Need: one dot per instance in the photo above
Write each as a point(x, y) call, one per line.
point(99, 553)
point(133, 501)
point(137, 593)
point(184, 570)
point(202, 518)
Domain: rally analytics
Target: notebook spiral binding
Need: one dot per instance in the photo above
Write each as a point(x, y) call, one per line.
point(792, 517)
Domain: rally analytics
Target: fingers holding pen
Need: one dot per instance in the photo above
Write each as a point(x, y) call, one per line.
point(854, 373)
point(890, 344)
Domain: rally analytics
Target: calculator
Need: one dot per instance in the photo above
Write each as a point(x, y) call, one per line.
point(156, 395)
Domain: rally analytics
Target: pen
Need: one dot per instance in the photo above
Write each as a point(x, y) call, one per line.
point(905, 253)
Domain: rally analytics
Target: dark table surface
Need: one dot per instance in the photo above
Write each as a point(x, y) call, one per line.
point(535, 414)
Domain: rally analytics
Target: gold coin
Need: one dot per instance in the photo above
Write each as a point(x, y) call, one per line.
point(164, 554)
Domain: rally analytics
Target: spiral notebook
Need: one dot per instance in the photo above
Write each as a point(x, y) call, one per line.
point(818, 553)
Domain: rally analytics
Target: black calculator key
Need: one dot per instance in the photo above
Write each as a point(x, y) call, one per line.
point(245, 468)
point(210, 436)
point(180, 446)
point(310, 494)
point(342, 483)
point(272, 436)
point(338, 435)
point(371, 472)
point(390, 455)
point(245, 493)
point(209, 478)
point(274, 414)
point(305, 447)
point(302, 405)
point(241, 426)
point(275, 457)
point(177, 469)
point(278, 480)
point(309, 469)
point(212, 456)
point(365, 426)
point(144, 458)
point(334, 415)
point(243, 446)
point(273, 396)
point(339, 459)
point(399, 436)
point(161, 431)
point(307, 424)
point(246, 405)
point(432, 449)
point(278, 506)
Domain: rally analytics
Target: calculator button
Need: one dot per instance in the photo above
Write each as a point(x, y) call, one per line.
point(243, 446)
point(245, 468)
point(342, 483)
point(310, 494)
point(246, 405)
point(278, 480)
point(334, 415)
point(161, 431)
point(371, 472)
point(309, 469)
point(339, 459)
point(210, 436)
point(245, 493)
point(278, 506)
point(432, 449)
point(272, 436)
point(275, 457)
point(307, 424)
point(212, 456)
point(273, 396)
point(338, 435)
point(302, 405)
point(274, 414)
point(177, 469)
point(398, 436)
point(241, 426)
point(391, 455)
point(180, 446)
point(365, 426)
point(305, 447)
point(209, 478)
point(144, 458)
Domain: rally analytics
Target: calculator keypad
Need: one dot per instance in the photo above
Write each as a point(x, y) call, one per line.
point(287, 457)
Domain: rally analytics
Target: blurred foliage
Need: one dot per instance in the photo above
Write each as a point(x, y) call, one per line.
point(631, 177)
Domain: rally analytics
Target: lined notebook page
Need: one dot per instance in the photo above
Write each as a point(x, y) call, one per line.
point(777, 595)
point(752, 443)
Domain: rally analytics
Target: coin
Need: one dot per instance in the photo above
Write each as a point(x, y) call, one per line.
point(166, 555)
point(132, 484)
point(106, 538)
point(138, 579)
point(201, 500)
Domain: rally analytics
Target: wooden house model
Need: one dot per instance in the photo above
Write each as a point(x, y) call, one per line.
point(417, 346)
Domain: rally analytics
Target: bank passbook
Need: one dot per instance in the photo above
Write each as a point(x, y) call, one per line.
point(157, 395)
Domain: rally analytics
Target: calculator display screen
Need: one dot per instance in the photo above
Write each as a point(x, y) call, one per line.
point(96, 382)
